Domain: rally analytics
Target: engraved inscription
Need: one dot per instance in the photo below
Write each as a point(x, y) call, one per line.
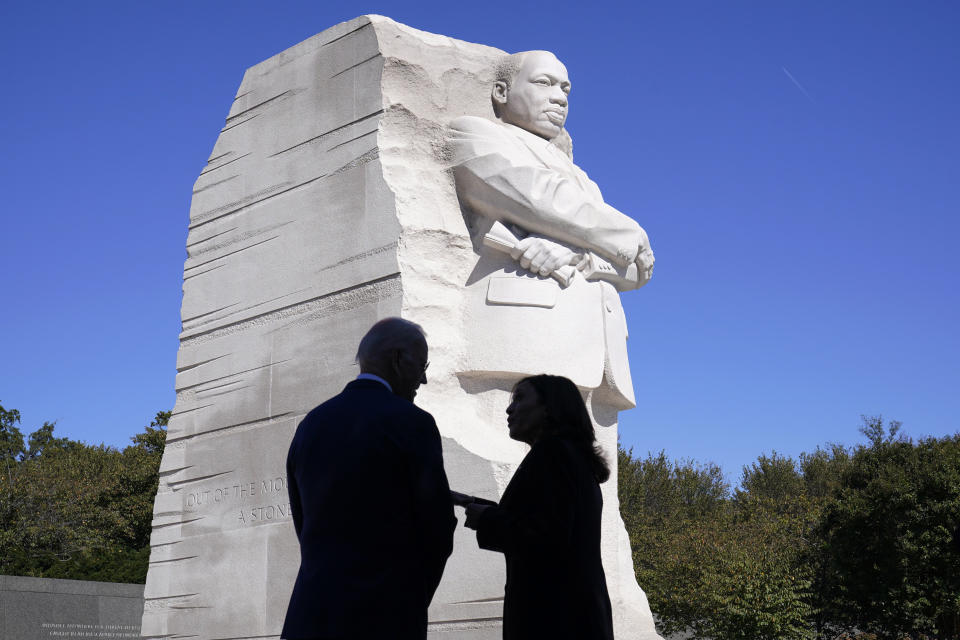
point(262, 514)
point(79, 630)
point(273, 508)
point(203, 497)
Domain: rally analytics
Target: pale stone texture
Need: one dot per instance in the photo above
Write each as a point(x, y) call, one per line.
point(328, 203)
point(44, 608)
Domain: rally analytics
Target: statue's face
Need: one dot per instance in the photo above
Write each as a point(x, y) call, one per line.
point(537, 98)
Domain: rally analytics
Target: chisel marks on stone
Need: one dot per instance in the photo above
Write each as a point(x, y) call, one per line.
point(242, 202)
point(359, 161)
point(245, 426)
point(329, 304)
point(176, 484)
point(208, 313)
point(212, 319)
point(209, 238)
point(249, 201)
point(354, 66)
point(238, 123)
point(164, 544)
point(213, 184)
point(326, 134)
point(200, 273)
point(168, 561)
point(348, 33)
point(361, 256)
point(226, 255)
point(213, 159)
point(280, 96)
point(180, 413)
point(175, 524)
point(466, 623)
point(193, 251)
point(165, 473)
point(171, 597)
point(493, 599)
point(345, 142)
point(220, 166)
point(194, 366)
point(213, 391)
point(230, 375)
point(221, 393)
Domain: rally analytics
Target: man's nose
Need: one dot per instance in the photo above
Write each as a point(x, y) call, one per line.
point(559, 97)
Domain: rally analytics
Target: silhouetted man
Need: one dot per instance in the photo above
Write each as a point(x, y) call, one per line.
point(370, 500)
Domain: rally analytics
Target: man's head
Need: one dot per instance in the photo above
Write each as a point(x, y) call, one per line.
point(530, 91)
point(396, 350)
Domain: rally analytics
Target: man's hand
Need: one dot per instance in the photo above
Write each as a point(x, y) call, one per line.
point(542, 256)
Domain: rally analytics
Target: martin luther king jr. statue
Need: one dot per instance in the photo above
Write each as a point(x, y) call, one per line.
point(553, 254)
point(543, 296)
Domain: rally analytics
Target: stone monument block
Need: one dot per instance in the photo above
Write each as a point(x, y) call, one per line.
point(45, 608)
point(327, 203)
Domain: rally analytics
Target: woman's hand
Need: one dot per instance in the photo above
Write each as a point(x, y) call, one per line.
point(474, 513)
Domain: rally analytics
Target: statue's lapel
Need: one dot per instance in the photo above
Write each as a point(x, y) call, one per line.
point(550, 156)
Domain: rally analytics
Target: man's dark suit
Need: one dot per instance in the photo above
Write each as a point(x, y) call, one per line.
point(372, 510)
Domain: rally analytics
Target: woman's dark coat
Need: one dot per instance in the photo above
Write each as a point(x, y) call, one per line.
point(548, 527)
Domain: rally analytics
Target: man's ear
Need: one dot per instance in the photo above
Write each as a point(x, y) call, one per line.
point(396, 364)
point(499, 93)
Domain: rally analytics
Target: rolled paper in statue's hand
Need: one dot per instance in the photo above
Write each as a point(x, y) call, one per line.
point(502, 239)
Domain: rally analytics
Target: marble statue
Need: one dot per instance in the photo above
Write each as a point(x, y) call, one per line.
point(329, 201)
point(534, 208)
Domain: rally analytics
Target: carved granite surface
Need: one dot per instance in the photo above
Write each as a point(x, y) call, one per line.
point(329, 202)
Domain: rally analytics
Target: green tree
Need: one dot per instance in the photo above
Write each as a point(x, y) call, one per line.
point(891, 560)
point(823, 469)
point(11, 439)
point(42, 439)
point(80, 511)
point(772, 478)
point(713, 567)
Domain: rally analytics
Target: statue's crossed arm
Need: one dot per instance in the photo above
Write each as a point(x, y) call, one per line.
point(504, 179)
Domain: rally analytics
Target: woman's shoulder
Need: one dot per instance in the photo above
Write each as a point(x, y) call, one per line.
point(561, 452)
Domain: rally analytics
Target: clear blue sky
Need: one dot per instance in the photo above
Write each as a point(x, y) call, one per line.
point(797, 165)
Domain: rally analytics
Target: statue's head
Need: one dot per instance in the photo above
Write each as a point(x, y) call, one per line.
point(530, 91)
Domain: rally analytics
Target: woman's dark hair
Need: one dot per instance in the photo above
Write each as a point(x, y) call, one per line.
point(567, 417)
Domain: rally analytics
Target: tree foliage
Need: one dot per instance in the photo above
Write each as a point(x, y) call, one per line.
point(715, 564)
point(890, 552)
point(845, 542)
point(69, 509)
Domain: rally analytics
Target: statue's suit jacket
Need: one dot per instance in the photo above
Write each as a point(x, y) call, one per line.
point(526, 324)
point(372, 510)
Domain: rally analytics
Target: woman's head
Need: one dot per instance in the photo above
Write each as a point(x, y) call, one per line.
point(545, 405)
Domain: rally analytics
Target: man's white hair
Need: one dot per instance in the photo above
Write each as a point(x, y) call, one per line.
point(385, 338)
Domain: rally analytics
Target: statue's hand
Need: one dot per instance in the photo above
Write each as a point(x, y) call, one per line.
point(542, 256)
point(645, 262)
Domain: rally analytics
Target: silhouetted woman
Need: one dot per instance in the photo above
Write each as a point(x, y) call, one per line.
point(547, 524)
